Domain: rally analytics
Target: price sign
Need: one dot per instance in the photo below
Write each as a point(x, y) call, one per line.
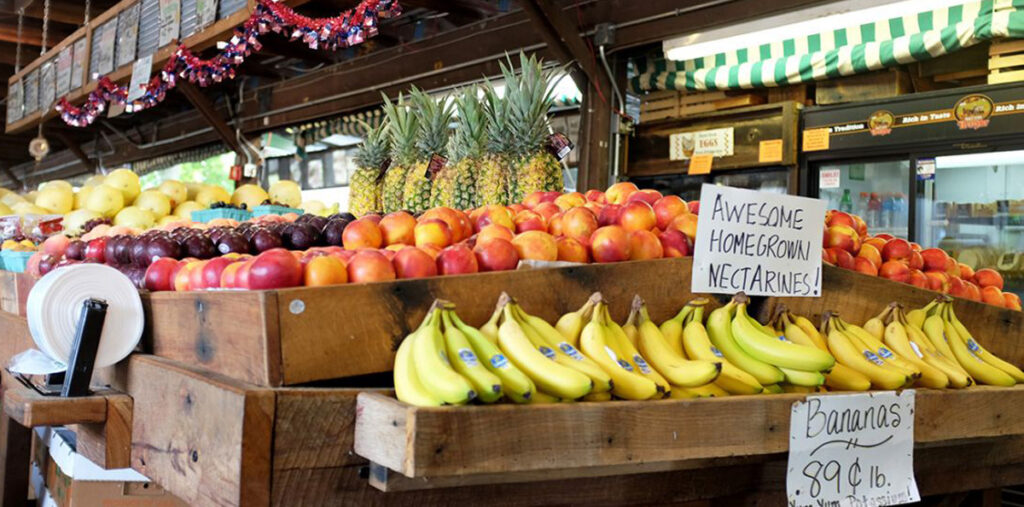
point(852, 450)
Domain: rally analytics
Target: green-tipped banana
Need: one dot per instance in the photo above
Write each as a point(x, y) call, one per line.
point(719, 328)
point(980, 351)
point(698, 346)
point(862, 359)
point(433, 367)
point(934, 329)
point(516, 385)
point(466, 363)
point(980, 371)
point(549, 376)
point(408, 387)
point(803, 378)
point(772, 350)
point(626, 351)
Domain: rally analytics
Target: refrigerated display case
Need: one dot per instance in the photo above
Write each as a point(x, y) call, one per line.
point(767, 179)
point(944, 169)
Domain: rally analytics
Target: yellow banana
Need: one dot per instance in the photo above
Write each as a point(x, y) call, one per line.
point(808, 328)
point(617, 339)
point(678, 370)
point(490, 328)
point(980, 351)
point(796, 334)
point(433, 367)
point(798, 389)
point(980, 371)
point(571, 324)
point(859, 336)
point(672, 329)
point(548, 375)
point(719, 328)
point(629, 327)
point(408, 387)
point(773, 389)
point(516, 385)
point(698, 346)
point(772, 350)
point(605, 396)
point(542, 398)
point(862, 359)
point(704, 391)
point(803, 378)
point(626, 383)
point(896, 337)
point(465, 362)
point(550, 343)
point(934, 329)
point(844, 378)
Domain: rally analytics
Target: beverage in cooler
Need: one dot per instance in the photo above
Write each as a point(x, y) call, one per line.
point(874, 190)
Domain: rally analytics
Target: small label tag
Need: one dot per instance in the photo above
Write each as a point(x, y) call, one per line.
point(559, 145)
point(570, 351)
point(642, 364)
point(444, 357)
point(437, 162)
point(548, 353)
point(884, 352)
point(873, 358)
point(917, 350)
point(716, 352)
point(468, 357)
point(499, 361)
point(972, 345)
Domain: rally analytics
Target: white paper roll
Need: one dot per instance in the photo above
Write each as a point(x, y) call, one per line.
point(55, 304)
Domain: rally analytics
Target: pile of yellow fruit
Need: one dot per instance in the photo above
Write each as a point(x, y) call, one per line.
point(24, 245)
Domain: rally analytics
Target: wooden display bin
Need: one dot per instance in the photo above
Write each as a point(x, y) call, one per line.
point(14, 289)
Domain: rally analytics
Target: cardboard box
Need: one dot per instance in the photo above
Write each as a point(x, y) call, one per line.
point(71, 480)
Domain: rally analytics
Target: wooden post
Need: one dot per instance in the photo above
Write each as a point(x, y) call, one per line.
point(205, 108)
point(15, 456)
point(595, 133)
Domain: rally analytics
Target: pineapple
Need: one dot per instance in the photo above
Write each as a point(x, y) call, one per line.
point(432, 138)
point(492, 177)
point(366, 183)
point(402, 128)
point(529, 96)
point(455, 185)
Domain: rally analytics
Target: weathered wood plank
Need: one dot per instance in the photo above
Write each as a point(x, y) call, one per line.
point(109, 444)
point(30, 408)
point(14, 289)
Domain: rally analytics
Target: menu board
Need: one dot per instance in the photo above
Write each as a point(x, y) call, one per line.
point(32, 92)
point(78, 63)
point(64, 71)
point(127, 35)
point(47, 85)
point(103, 50)
point(170, 21)
point(206, 13)
point(14, 102)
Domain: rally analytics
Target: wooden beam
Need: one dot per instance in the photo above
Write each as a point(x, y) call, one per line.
point(10, 174)
point(76, 148)
point(206, 109)
point(32, 35)
point(8, 53)
point(563, 38)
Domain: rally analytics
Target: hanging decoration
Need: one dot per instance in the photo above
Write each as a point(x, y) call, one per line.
point(350, 28)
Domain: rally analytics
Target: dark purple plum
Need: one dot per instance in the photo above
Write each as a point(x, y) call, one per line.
point(301, 237)
point(343, 216)
point(139, 251)
point(75, 250)
point(318, 221)
point(161, 246)
point(199, 247)
point(232, 242)
point(263, 240)
point(47, 263)
point(332, 232)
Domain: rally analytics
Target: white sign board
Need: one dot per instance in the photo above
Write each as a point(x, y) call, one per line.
point(829, 178)
point(717, 142)
point(140, 77)
point(852, 450)
point(761, 243)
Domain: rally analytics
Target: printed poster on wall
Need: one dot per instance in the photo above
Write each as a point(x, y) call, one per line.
point(170, 21)
point(105, 50)
point(14, 103)
point(47, 85)
point(78, 63)
point(64, 71)
point(127, 34)
point(715, 142)
point(32, 92)
point(206, 13)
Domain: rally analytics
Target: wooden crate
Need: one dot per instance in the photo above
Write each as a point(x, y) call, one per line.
point(1006, 62)
point(14, 289)
point(675, 104)
point(875, 85)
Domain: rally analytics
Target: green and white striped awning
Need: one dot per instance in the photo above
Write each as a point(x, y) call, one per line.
point(846, 51)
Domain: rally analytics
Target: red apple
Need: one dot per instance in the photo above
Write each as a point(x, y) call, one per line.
point(411, 262)
point(536, 245)
point(457, 259)
point(498, 254)
point(370, 266)
point(674, 243)
point(667, 208)
point(897, 249)
point(610, 244)
point(362, 233)
point(160, 274)
point(277, 268)
point(637, 216)
point(644, 245)
point(988, 277)
point(895, 270)
point(570, 250)
point(397, 227)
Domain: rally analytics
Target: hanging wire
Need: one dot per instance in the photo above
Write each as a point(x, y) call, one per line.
point(17, 48)
point(46, 24)
point(85, 21)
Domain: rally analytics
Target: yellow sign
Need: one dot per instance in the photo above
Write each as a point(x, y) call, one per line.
point(816, 139)
point(701, 163)
point(770, 151)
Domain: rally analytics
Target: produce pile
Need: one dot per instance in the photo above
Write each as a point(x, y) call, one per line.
point(587, 356)
point(848, 244)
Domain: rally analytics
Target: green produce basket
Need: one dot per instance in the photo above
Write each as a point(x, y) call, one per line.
point(206, 215)
point(269, 209)
point(14, 261)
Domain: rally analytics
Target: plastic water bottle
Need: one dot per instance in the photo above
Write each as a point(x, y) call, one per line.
point(846, 203)
point(874, 217)
point(862, 206)
point(887, 211)
point(900, 218)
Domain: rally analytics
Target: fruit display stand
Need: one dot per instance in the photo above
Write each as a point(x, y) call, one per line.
point(248, 398)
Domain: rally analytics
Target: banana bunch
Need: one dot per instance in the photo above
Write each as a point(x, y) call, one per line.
point(911, 343)
point(949, 336)
point(604, 341)
point(697, 345)
point(682, 373)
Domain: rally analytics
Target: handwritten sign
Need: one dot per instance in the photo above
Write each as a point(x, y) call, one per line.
point(701, 164)
point(816, 139)
point(852, 450)
point(769, 151)
point(761, 243)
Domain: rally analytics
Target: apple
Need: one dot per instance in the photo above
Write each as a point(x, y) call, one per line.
point(609, 215)
point(579, 224)
point(457, 259)
point(871, 254)
point(398, 227)
point(493, 231)
point(934, 259)
point(644, 245)
point(844, 259)
point(895, 270)
point(917, 279)
point(863, 265)
point(897, 249)
point(527, 220)
point(674, 243)
point(370, 266)
point(276, 268)
point(992, 295)
point(988, 277)
point(498, 254)
point(667, 208)
point(570, 200)
point(938, 281)
point(637, 216)
point(916, 261)
point(432, 231)
point(842, 236)
point(536, 245)
point(411, 262)
point(610, 244)
point(594, 195)
point(1011, 301)
point(571, 250)
point(619, 192)
point(966, 272)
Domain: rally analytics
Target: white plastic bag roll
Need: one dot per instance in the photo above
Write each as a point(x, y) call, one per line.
point(55, 304)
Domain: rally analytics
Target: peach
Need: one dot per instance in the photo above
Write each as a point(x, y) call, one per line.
point(196, 281)
point(594, 195)
point(493, 231)
point(648, 196)
point(667, 208)
point(915, 247)
point(275, 269)
point(871, 253)
point(370, 266)
point(213, 269)
point(896, 249)
point(324, 270)
point(547, 210)
point(938, 281)
point(536, 245)
point(594, 208)
point(619, 192)
point(432, 250)
point(988, 277)
point(917, 279)
point(836, 217)
point(895, 270)
point(828, 256)
point(973, 292)
point(844, 259)
point(373, 217)
point(229, 277)
point(499, 254)
point(862, 226)
point(934, 259)
point(644, 245)
point(610, 244)
point(495, 214)
point(464, 222)
point(397, 227)
point(1011, 301)
point(570, 250)
point(886, 237)
point(842, 236)
point(362, 233)
point(432, 231)
point(609, 215)
point(530, 221)
point(674, 244)
point(555, 225)
point(686, 224)
point(570, 200)
point(411, 262)
point(579, 224)
point(952, 267)
point(966, 272)
point(637, 216)
point(992, 295)
point(916, 261)
point(865, 266)
point(533, 199)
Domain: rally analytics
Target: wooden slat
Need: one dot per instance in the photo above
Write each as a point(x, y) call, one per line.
point(30, 408)
point(1002, 62)
point(1010, 46)
point(1006, 77)
point(204, 437)
point(14, 336)
point(109, 444)
point(14, 289)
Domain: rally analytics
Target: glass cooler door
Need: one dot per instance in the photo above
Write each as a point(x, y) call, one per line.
point(876, 190)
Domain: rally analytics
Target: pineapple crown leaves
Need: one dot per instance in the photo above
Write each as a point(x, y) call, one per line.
point(402, 127)
point(469, 140)
point(530, 94)
point(435, 119)
point(496, 113)
point(376, 145)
